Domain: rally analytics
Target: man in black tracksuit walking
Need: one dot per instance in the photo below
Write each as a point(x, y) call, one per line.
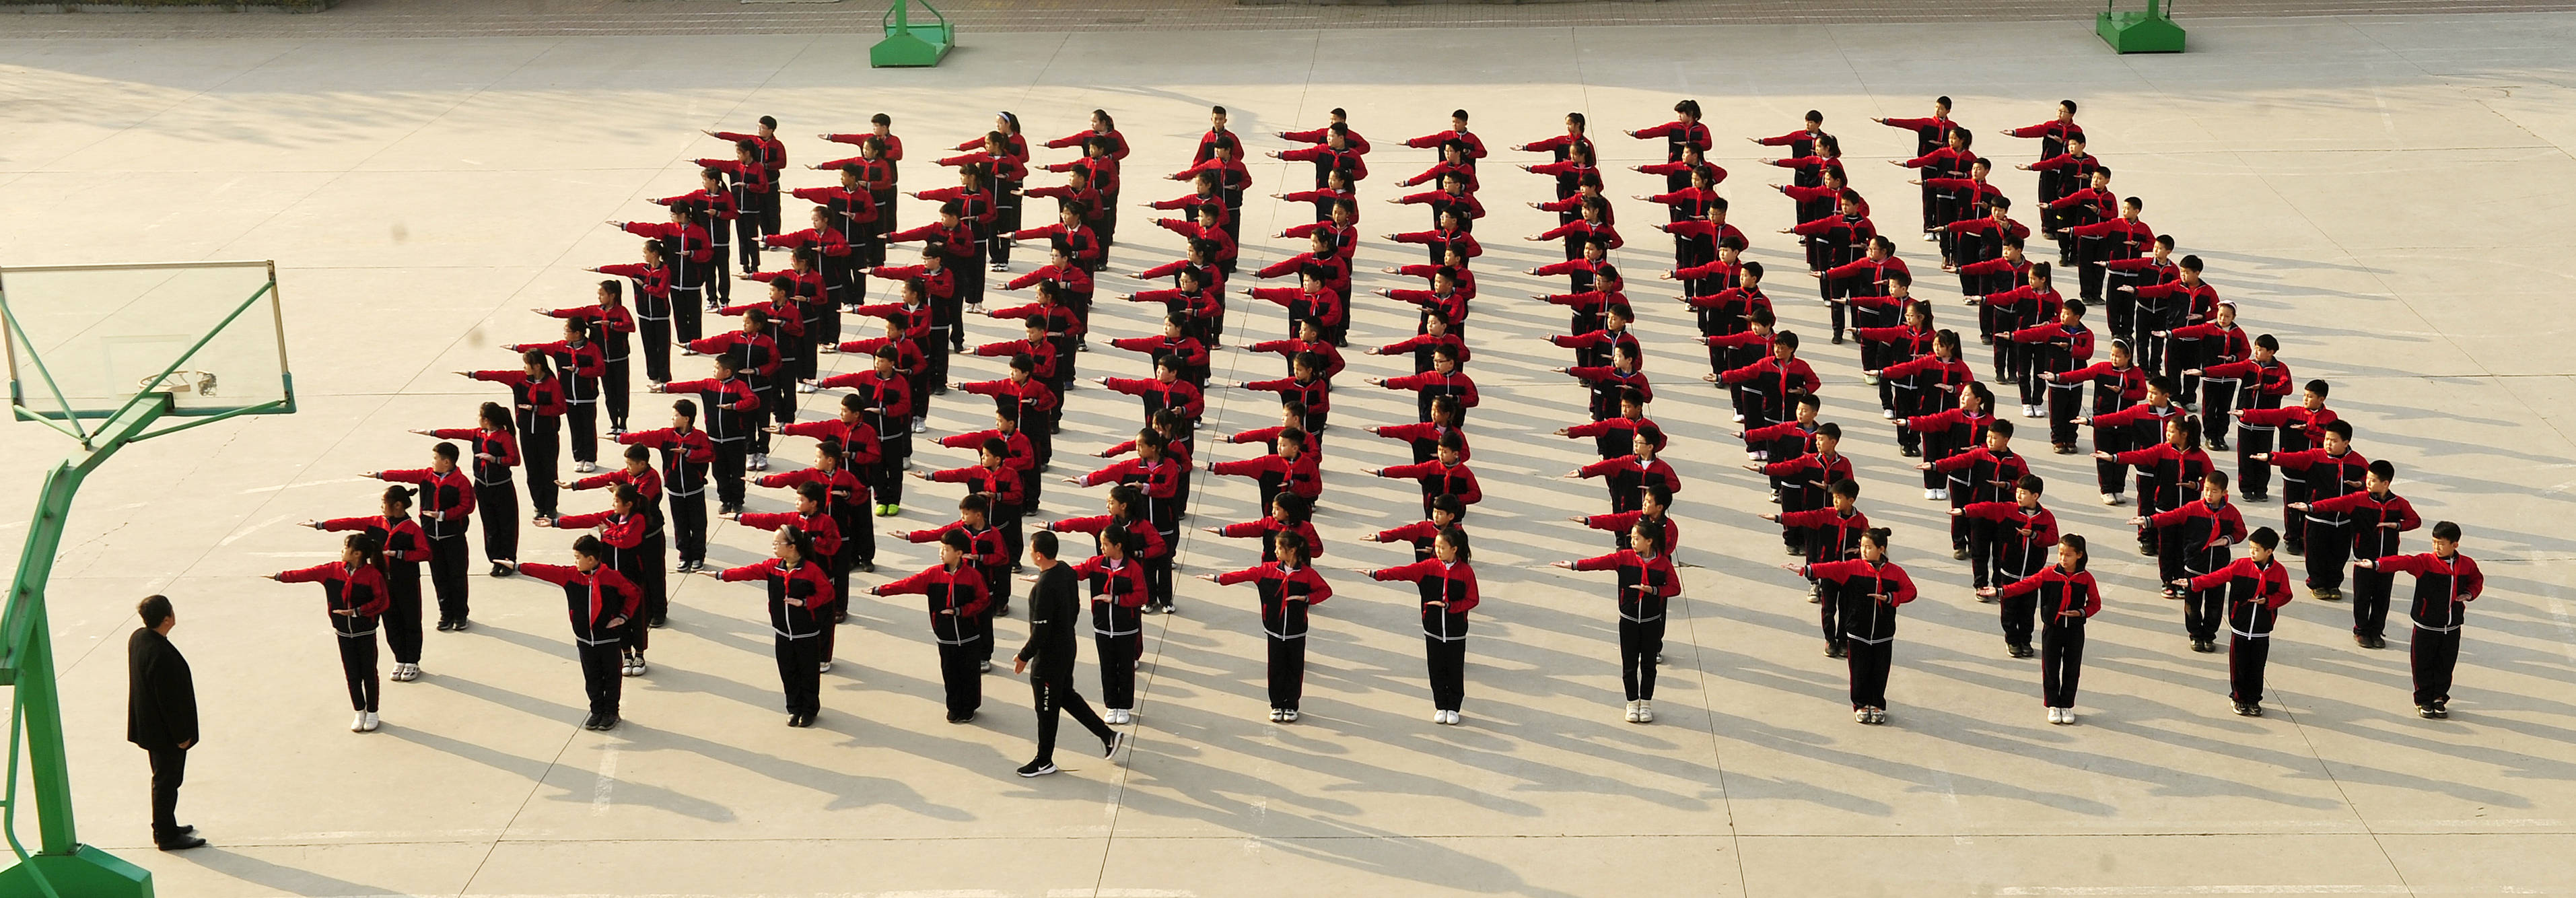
point(1055, 611)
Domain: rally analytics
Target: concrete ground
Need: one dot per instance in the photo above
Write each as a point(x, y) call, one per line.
point(2387, 195)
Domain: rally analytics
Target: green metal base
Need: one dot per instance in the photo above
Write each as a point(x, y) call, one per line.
point(85, 873)
point(2138, 32)
point(920, 46)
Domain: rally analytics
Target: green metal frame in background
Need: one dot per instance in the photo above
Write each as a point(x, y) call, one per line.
point(907, 45)
point(62, 867)
point(2151, 30)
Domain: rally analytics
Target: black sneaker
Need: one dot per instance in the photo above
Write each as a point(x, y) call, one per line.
point(2022, 650)
point(1110, 748)
point(1034, 769)
point(2442, 709)
point(658, 622)
point(1003, 610)
point(591, 722)
point(181, 843)
point(459, 626)
point(968, 717)
point(607, 722)
point(444, 626)
point(500, 570)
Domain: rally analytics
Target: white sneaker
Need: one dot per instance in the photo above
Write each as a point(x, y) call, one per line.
point(367, 722)
point(1645, 712)
point(825, 667)
point(2054, 717)
point(919, 425)
point(1941, 494)
point(1278, 715)
point(2030, 411)
point(640, 666)
point(358, 722)
point(2066, 715)
point(2110, 498)
point(1927, 494)
point(1118, 715)
point(1739, 419)
point(1439, 716)
point(1453, 718)
point(1929, 237)
point(806, 388)
point(1289, 716)
point(983, 667)
point(1887, 413)
point(1632, 711)
point(1860, 716)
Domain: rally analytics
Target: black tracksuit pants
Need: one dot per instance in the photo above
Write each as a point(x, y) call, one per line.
point(1447, 661)
point(358, 666)
point(601, 678)
point(800, 661)
point(1869, 662)
point(1639, 643)
point(1053, 691)
point(2061, 659)
point(1287, 671)
point(447, 574)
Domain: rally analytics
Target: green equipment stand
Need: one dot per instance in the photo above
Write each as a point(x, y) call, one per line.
point(2150, 30)
point(908, 45)
point(207, 338)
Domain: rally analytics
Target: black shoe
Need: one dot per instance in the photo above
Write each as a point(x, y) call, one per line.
point(2442, 708)
point(658, 622)
point(459, 626)
point(1001, 611)
point(591, 722)
point(1110, 748)
point(867, 567)
point(2021, 650)
point(181, 843)
point(1037, 768)
point(2378, 643)
point(968, 717)
point(608, 722)
point(500, 570)
point(2257, 497)
point(2215, 446)
point(1833, 651)
point(444, 626)
point(797, 720)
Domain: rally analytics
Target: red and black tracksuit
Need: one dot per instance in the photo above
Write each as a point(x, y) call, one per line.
point(1647, 584)
point(2330, 532)
point(2066, 599)
point(2377, 519)
point(541, 406)
point(405, 547)
point(446, 508)
point(2195, 539)
point(732, 411)
point(685, 456)
point(1117, 625)
point(354, 596)
point(601, 603)
point(1448, 593)
point(799, 615)
point(1287, 596)
point(956, 600)
point(2257, 386)
point(2254, 592)
point(1867, 595)
point(2443, 589)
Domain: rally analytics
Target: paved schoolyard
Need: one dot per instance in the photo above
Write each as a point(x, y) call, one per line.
point(2386, 195)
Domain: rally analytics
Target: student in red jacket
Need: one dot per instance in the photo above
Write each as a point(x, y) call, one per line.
point(2067, 597)
point(2445, 583)
point(1772, 386)
point(652, 553)
point(496, 450)
point(538, 395)
point(2013, 538)
point(800, 598)
point(1444, 379)
point(1166, 389)
point(1118, 593)
point(2196, 538)
point(404, 547)
point(2254, 588)
point(2297, 429)
point(353, 591)
point(1866, 590)
point(1647, 584)
point(1289, 586)
point(1446, 475)
point(2062, 345)
point(686, 452)
point(2379, 519)
point(627, 530)
point(601, 603)
point(1289, 470)
point(1832, 534)
point(606, 326)
point(956, 595)
point(2330, 471)
point(686, 246)
point(1629, 475)
point(1444, 617)
point(733, 410)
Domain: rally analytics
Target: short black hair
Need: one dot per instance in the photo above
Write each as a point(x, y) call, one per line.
point(1830, 430)
point(1847, 489)
point(2266, 537)
point(1042, 544)
point(2339, 429)
point(2446, 531)
point(154, 609)
point(2033, 483)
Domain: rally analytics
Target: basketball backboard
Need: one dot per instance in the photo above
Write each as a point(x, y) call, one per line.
point(84, 340)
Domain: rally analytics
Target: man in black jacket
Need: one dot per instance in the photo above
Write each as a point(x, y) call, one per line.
point(161, 717)
point(1055, 613)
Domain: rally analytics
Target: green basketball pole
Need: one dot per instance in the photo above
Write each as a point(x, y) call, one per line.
point(907, 45)
point(2151, 30)
point(62, 867)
